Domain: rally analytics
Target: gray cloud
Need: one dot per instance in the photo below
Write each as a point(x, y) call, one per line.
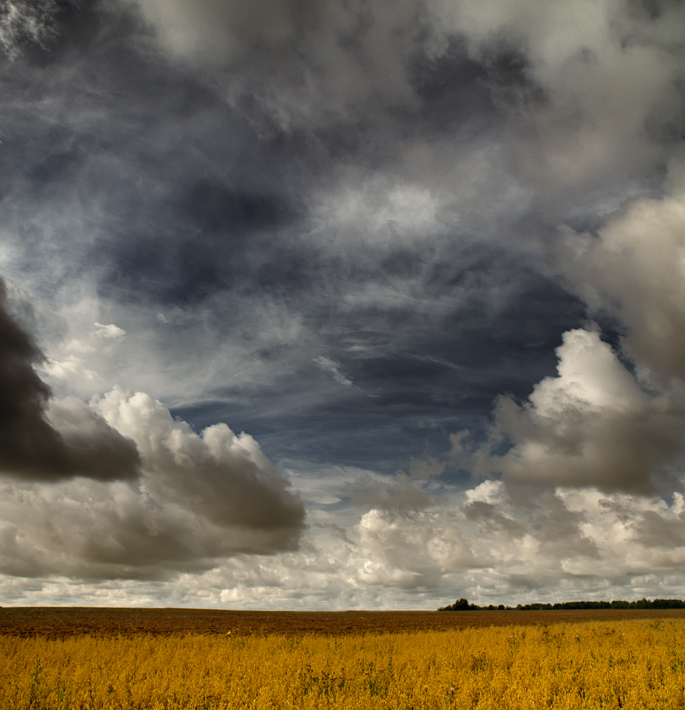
point(601, 76)
point(593, 78)
point(396, 494)
point(592, 425)
point(27, 21)
point(48, 440)
point(332, 367)
point(602, 422)
point(200, 498)
point(220, 475)
point(135, 493)
point(403, 493)
point(497, 543)
point(410, 550)
point(632, 269)
point(597, 423)
point(95, 449)
point(301, 60)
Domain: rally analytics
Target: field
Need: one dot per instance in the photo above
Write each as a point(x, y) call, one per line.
point(125, 659)
point(60, 622)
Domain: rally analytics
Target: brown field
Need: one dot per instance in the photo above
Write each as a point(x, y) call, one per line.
point(63, 622)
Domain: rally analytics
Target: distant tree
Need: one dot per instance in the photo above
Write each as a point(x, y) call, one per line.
point(463, 605)
point(460, 605)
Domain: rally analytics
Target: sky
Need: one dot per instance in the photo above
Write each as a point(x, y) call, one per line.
point(335, 304)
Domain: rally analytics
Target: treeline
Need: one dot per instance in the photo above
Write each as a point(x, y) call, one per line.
point(463, 605)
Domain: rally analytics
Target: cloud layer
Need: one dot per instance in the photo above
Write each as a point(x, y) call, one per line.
point(428, 254)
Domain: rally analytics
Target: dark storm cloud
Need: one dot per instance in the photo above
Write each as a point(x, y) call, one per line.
point(48, 441)
point(232, 209)
point(221, 181)
point(97, 144)
point(28, 442)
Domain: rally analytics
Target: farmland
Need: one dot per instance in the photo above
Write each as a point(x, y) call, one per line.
point(61, 622)
point(127, 659)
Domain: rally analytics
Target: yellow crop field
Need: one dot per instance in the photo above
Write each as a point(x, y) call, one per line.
point(595, 665)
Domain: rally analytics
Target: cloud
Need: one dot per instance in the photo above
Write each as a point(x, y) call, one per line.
point(410, 551)
point(402, 493)
point(598, 76)
point(396, 493)
point(633, 269)
point(133, 492)
point(602, 422)
point(199, 499)
point(220, 475)
point(378, 215)
point(579, 80)
point(492, 543)
point(574, 543)
point(95, 449)
point(109, 332)
point(328, 365)
point(26, 21)
point(592, 425)
point(297, 58)
point(48, 440)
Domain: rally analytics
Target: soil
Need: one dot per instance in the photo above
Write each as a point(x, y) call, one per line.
point(62, 622)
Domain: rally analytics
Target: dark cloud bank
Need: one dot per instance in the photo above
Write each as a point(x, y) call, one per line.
point(364, 232)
